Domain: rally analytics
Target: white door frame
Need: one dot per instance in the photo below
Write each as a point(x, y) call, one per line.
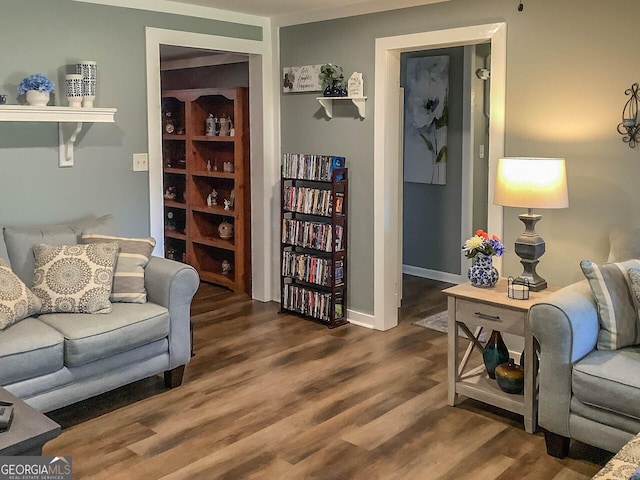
point(387, 135)
point(262, 146)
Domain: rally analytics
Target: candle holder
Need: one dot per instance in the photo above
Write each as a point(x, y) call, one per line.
point(518, 291)
point(629, 127)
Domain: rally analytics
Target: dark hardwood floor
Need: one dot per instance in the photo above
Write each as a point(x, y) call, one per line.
point(270, 396)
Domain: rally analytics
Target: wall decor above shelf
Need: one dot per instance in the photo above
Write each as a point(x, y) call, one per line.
point(327, 104)
point(69, 119)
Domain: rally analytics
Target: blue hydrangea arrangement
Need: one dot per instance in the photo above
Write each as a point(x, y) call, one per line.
point(37, 81)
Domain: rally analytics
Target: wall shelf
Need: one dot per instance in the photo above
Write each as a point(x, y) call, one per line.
point(69, 121)
point(327, 103)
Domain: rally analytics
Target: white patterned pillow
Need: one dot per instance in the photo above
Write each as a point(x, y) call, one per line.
point(617, 306)
point(16, 300)
point(74, 278)
point(634, 279)
point(133, 256)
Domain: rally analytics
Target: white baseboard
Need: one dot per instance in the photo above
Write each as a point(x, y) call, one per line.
point(433, 274)
point(360, 319)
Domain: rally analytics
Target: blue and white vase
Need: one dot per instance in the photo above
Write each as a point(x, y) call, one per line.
point(482, 273)
point(89, 71)
point(73, 87)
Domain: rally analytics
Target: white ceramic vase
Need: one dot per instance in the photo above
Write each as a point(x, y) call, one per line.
point(89, 71)
point(36, 98)
point(73, 85)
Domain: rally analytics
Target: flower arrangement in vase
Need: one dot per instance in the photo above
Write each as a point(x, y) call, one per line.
point(37, 88)
point(332, 79)
point(481, 248)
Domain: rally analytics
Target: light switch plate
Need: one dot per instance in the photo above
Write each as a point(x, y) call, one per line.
point(140, 162)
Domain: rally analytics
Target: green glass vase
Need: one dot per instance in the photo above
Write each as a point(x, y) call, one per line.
point(495, 353)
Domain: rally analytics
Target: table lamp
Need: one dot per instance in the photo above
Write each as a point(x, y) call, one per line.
point(531, 183)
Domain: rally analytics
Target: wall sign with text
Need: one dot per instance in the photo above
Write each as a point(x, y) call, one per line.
point(301, 79)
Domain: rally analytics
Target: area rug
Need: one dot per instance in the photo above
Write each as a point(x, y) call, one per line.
point(439, 323)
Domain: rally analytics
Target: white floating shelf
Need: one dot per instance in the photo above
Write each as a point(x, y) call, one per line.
point(327, 103)
point(69, 121)
point(26, 113)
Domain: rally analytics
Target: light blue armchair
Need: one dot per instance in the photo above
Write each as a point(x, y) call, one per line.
point(586, 394)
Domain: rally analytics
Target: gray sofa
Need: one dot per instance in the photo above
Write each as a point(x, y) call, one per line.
point(586, 393)
point(55, 359)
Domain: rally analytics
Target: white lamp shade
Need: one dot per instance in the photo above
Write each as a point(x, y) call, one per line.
point(531, 183)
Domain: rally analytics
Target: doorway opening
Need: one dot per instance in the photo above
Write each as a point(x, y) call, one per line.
point(206, 168)
point(262, 146)
point(435, 220)
point(388, 150)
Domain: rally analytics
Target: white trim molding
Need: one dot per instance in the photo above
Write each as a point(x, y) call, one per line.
point(433, 274)
point(179, 8)
point(305, 14)
point(263, 141)
point(387, 163)
point(360, 319)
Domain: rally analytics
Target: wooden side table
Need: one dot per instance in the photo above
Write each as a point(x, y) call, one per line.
point(492, 309)
point(29, 431)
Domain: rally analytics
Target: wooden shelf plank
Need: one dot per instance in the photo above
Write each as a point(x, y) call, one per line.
point(217, 138)
point(214, 210)
point(175, 171)
point(215, 242)
point(174, 204)
point(481, 387)
point(175, 234)
point(218, 278)
point(213, 174)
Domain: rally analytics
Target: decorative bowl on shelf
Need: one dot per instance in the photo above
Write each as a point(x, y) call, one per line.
point(510, 377)
point(225, 230)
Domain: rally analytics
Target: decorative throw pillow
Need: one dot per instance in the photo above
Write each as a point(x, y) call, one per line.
point(74, 278)
point(133, 256)
point(617, 307)
point(21, 239)
point(634, 279)
point(16, 300)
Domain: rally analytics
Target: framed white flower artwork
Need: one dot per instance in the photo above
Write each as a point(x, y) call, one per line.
point(426, 118)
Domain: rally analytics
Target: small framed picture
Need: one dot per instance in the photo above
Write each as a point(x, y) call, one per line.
point(301, 79)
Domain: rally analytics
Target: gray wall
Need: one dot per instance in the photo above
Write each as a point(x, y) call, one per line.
point(567, 70)
point(431, 213)
point(33, 188)
point(214, 76)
